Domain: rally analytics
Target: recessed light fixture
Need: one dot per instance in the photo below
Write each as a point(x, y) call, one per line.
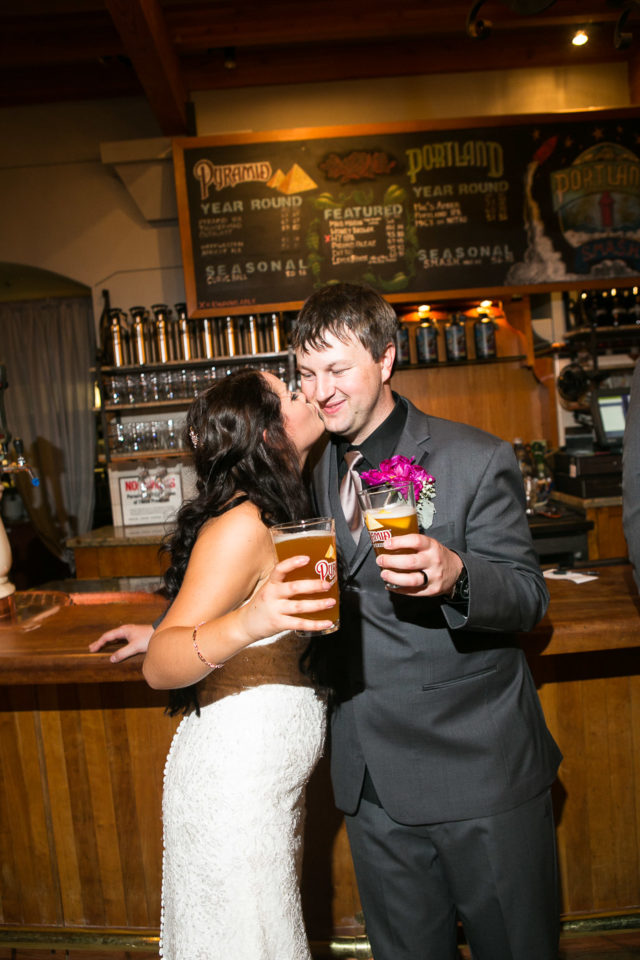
point(579, 38)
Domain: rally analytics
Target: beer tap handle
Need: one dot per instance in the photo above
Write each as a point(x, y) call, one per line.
point(18, 447)
point(21, 463)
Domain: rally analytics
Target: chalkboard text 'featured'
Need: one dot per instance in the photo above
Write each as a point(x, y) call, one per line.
point(450, 153)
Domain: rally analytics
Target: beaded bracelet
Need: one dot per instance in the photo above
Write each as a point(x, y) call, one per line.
point(214, 666)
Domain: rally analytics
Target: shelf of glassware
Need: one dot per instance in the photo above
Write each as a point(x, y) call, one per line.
point(131, 395)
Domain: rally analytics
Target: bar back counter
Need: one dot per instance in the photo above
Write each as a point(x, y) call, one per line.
point(83, 743)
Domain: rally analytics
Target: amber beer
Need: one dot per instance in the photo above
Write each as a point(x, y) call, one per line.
point(315, 539)
point(388, 512)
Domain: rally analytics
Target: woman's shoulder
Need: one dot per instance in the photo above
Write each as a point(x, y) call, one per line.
point(235, 544)
point(242, 523)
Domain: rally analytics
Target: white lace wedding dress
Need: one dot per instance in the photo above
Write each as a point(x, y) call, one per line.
point(233, 812)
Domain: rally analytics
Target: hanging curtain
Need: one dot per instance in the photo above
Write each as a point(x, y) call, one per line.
point(48, 348)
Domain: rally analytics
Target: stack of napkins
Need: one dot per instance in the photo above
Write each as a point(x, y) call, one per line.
point(569, 575)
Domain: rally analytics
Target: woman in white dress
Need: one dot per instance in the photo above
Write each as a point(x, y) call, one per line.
point(233, 801)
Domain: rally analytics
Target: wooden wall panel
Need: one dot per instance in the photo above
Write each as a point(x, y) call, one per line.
point(607, 537)
point(80, 801)
point(591, 702)
point(503, 398)
point(133, 560)
point(29, 874)
point(103, 748)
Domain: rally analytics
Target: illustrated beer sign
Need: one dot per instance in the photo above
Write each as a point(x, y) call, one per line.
point(267, 218)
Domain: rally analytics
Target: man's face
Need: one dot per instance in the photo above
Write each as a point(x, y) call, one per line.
point(348, 386)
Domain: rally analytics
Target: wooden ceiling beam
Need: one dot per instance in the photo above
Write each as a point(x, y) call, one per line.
point(317, 63)
point(245, 24)
point(142, 29)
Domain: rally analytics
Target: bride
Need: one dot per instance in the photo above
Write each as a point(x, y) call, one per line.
point(233, 800)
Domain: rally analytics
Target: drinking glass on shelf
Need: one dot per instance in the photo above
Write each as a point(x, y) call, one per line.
point(132, 391)
point(181, 384)
point(139, 436)
point(171, 435)
point(116, 437)
point(317, 539)
point(114, 390)
point(154, 435)
point(193, 378)
point(168, 386)
point(129, 437)
point(154, 385)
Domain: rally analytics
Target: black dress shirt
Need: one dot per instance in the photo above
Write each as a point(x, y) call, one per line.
point(379, 445)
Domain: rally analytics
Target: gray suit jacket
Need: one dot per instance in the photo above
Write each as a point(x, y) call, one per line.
point(439, 703)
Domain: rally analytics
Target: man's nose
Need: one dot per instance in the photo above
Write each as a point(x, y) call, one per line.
point(324, 389)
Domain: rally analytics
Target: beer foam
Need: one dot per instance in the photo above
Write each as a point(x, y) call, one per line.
point(301, 535)
point(398, 510)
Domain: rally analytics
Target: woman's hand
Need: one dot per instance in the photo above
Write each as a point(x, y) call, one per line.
point(277, 605)
point(137, 636)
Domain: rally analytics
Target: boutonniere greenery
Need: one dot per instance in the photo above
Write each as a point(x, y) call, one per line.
point(401, 471)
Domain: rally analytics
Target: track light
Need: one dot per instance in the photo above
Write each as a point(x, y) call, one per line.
point(579, 38)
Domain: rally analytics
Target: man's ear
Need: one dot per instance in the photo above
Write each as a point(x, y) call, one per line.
point(386, 361)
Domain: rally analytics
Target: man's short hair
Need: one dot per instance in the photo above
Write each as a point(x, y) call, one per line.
point(342, 309)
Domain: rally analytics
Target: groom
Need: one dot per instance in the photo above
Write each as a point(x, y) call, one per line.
point(441, 760)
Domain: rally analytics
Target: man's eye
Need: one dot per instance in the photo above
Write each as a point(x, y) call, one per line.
point(305, 376)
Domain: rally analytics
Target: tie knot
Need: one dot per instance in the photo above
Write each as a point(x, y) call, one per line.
point(352, 458)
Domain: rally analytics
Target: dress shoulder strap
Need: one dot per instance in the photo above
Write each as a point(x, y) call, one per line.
point(232, 503)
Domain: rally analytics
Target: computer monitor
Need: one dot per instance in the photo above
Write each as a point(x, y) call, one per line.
point(609, 407)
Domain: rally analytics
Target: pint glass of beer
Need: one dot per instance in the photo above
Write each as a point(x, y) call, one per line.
point(388, 512)
point(316, 539)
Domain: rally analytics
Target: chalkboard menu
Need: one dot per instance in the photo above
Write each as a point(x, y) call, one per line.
point(485, 205)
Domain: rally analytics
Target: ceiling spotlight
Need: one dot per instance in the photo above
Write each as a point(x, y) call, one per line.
point(579, 38)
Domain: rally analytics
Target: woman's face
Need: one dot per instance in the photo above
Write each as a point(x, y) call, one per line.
point(301, 419)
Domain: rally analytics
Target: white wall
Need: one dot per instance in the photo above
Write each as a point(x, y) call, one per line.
point(412, 98)
point(63, 210)
point(66, 211)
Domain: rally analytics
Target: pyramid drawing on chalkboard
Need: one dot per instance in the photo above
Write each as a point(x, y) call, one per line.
point(296, 181)
point(276, 179)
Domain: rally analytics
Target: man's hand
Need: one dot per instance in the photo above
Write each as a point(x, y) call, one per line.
point(429, 570)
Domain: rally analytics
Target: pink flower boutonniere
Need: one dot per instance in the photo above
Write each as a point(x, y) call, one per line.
point(401, 471)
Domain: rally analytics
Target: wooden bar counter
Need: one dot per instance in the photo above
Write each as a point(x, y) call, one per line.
point(83, 743)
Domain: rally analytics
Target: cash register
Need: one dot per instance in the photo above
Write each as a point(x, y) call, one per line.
point(590, 466)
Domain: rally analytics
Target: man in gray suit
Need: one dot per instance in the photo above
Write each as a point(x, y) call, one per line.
point(440, 756)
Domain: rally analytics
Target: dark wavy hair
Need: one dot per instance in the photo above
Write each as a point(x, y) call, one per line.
point(240, 445)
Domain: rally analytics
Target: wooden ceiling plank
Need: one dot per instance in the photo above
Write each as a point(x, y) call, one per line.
point(142, 29)
point(320, 63)
point(57, 39)
point(245, 24)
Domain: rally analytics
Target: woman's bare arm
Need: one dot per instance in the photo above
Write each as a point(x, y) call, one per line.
point(232, 560)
